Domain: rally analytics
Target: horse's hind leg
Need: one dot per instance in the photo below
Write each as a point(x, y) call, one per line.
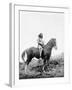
point(25, 69)
point(26, 66)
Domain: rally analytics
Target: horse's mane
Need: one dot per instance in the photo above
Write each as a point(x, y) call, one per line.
point(49, 43)
point(51, 40)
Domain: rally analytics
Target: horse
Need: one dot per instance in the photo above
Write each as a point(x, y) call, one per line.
point(34, 52)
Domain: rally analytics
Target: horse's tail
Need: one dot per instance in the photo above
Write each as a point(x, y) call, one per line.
point(24, 56)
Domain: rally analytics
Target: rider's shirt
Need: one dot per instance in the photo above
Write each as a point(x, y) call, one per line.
point(40, 43)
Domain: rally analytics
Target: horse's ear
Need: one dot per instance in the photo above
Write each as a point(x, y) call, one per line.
point(54, 39)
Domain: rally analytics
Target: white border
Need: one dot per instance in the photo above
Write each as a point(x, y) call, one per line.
point(14, 75)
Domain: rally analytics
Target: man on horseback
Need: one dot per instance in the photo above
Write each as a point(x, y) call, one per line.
point(40, 43)
point(34, 52)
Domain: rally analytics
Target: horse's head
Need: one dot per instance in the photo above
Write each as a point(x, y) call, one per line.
point(52, 43)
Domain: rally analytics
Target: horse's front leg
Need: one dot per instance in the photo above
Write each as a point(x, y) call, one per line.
point(44, 64)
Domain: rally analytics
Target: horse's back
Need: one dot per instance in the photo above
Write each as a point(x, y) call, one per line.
point(33, 49)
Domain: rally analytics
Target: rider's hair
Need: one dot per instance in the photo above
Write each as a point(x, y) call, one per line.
point(40, 35)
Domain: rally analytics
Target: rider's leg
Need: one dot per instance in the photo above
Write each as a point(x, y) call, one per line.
point(40, 50)
point(40, 53)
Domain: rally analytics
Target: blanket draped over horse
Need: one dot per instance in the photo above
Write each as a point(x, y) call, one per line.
point(34, 52)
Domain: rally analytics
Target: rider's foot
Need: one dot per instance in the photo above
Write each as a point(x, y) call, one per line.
point(40, 58)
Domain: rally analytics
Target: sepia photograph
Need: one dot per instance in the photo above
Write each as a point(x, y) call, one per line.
point(41, 44)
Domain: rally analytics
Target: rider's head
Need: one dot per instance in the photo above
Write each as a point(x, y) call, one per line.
point(40, 35)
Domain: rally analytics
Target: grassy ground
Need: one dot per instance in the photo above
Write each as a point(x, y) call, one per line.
point(55, 68)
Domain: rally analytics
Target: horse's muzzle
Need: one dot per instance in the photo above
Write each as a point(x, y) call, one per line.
point(55, 47)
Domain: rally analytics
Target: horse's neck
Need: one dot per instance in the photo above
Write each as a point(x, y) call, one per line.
point(48, 47)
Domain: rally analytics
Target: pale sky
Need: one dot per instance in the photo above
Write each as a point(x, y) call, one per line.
point(33, 23)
